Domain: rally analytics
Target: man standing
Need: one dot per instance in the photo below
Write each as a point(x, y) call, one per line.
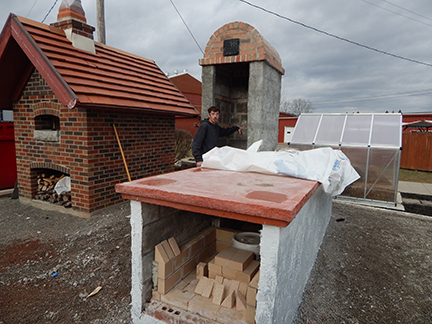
point(208, 133)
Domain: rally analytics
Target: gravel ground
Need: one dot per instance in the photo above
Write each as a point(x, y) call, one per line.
point(374, 267)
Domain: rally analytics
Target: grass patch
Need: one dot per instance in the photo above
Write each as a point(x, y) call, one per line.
point(415, 176)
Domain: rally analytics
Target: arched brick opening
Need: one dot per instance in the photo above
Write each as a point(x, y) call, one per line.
point(46, 108)
point(242, 76)
point(252, 47)
point(37, 169)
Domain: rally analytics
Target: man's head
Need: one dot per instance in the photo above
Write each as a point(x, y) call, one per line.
point(213, 113)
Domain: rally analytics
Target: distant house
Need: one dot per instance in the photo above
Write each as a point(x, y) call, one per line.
point(191, 88)
point(287, 123)
point(67, 91)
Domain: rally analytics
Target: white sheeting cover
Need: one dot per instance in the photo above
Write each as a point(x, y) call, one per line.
point(328, 166)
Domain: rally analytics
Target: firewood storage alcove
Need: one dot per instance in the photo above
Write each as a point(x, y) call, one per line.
point(186, 214)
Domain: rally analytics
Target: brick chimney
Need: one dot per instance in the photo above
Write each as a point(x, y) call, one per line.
point(71, 18)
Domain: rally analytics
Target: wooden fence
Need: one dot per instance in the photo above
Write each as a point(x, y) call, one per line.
point(416, 151)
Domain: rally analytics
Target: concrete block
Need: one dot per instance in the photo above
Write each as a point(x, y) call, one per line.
point(231, 285)
point(174, 247)
point(225, 235)
point(196, 245)
point(255, 280)
point(220, 246)
point(155, 232)
point(201, 270)
point(182, 257)
point(200, 286)
point(167, 249)
point(240, 301)
point(251, 296)
point(165, 269)
point(229, 315)
point(249, 315)
point(243, 288)
point(234, 258)
point(229, 273)
point(218, 293)
point(213, 274)
point(247, 274)
point(208, 288)
point(188, 267)
point(223, 257)
point(149, 213)
point(229, 300)
point(204, 254)
point(212, 248)
point(219, 279)
point(160, 254)
point(177, 298)
point(215, 268)
point(210, 237)
point(195, 224)
point(186, 282)
point(204, 307)
point(165, 285)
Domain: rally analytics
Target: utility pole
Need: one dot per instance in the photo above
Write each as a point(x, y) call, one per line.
point(100, 9)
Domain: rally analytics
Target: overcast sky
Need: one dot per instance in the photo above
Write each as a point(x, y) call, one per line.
point(336, 76)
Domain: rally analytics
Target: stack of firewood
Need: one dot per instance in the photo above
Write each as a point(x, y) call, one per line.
point(46, 192)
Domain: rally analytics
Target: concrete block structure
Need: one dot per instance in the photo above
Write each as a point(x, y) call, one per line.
point(241, 74)
point(290, 214)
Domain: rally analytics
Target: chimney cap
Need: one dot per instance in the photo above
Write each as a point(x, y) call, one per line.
point(74, 5)
point(71, 9)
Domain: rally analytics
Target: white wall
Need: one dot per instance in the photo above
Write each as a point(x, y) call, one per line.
point(287, 258)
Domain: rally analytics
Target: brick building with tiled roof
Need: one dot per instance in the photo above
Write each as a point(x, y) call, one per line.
point(191, 88)
point(68, 91)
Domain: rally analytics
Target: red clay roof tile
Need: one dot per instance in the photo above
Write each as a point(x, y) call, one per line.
point(110, 78)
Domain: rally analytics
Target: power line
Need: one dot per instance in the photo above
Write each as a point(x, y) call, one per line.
point(335, 36)
point(31, 8)
point(414, 13)
point(396, 13)
point(184, 22)
point(379, 97)
point(50, 10)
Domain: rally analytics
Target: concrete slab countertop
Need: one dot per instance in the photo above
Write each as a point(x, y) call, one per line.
point(252, 197)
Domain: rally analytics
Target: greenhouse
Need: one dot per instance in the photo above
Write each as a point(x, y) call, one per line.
point(372, 142)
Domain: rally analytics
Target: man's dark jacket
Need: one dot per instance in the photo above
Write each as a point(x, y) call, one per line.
point(207, 137)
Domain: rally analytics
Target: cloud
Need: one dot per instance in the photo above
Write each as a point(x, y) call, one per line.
point(334, 75)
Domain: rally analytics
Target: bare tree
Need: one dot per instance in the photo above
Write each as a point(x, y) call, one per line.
point(296, 107)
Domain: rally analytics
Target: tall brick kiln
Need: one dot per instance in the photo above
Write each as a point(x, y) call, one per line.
point(67, 91)
point(241, 73)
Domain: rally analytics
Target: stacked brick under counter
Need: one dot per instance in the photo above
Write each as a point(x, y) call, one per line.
point(197, 279)
point(292, 215)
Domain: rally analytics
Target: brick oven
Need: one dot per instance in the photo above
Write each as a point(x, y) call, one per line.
point(67, 91)
point(241, 73)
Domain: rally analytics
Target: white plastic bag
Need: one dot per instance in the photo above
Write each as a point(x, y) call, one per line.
point(330, 167)
point(63, 184)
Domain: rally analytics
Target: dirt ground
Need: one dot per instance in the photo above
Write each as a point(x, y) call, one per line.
point(374, 267)
point(50, 262)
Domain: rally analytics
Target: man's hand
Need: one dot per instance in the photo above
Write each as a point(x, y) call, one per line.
point(240, 131)
point(199, 164)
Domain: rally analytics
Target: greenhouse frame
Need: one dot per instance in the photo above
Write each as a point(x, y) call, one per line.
point(372, 143)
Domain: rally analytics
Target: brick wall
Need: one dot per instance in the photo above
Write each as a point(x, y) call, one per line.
point(87, 146)
point(253, 47)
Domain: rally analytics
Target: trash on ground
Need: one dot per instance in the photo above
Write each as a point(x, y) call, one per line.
point(94, 292)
